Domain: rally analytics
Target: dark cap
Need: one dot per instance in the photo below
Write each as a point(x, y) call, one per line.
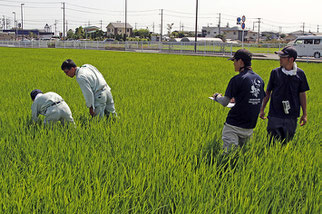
point(288, 51)
point(34, 93)
point(242, 54)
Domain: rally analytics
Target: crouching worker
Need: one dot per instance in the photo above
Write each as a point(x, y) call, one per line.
point(247, 90)
point(52, 106)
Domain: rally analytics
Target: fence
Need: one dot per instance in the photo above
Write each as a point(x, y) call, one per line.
point(202, 48)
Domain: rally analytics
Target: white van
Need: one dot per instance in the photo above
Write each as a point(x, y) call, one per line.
point(308, 46)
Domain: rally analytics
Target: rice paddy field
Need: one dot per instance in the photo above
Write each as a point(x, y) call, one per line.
point(163, 152)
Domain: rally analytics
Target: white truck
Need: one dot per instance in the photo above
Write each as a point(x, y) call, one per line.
point(308, 46)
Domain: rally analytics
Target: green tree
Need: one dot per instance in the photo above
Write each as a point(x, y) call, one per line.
point(169, 28)
point(190, 34)
point(70, 34)
point(181, 34)
point(118, 37)
point(98, 35)
point(79, 33)
point(221, 36)
point(32, 35)
point(175, 34)
point(142, 33)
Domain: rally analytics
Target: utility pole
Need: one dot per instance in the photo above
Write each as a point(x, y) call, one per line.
point(153, 27)
point(22, 4)
point(101, 22)
point(303, 27)
point(14, 20)
point(196, 26)
point(317, 30)
point(161, 25)
point(56, 27)
point(63, 36)
point(219, 22)
point(15, 24)
point(4, 22)
point(259, 27)
point(125, 21)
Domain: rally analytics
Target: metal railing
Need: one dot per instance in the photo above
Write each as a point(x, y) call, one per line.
point(203, 48)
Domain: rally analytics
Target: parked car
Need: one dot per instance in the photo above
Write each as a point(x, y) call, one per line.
point(108, 40)
point(309, 46)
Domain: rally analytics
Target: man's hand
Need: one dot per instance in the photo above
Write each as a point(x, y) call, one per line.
point(262, 115)
point(216, 95)
point(303, 120)
point(265, 101)
point(91, 111)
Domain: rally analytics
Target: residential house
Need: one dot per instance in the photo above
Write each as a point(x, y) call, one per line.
point(118, 28)
point(234, 33)
point(270, 35)
point(293, 35)
point(33, 33)
point(212, 31)
point(90, 30)
point(7, 35)
point(252, 36)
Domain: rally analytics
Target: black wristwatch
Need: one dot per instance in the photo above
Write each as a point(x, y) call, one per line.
point(216, 96)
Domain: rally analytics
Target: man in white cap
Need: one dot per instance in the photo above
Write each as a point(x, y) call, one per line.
point(96, 92)
point(286, 88)
point(52, 106)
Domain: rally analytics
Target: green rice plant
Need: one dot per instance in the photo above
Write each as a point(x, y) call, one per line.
point(161, 155)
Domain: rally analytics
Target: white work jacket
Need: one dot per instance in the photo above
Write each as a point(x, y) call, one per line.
point(42, 102)
point(91, 82)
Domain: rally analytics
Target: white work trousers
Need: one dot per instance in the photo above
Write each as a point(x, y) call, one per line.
point(59, 112)
point(104, 103)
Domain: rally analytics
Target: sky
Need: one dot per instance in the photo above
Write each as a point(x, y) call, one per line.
point(275, 15)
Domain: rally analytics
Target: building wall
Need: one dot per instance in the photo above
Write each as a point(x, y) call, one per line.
point(228, 32)
point(7, 36)
point(118, 31)
point(233, 35)
point(212, 31)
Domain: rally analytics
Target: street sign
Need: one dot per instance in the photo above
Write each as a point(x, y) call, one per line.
point(238, 20)
point(243, 18)
point(243, 25)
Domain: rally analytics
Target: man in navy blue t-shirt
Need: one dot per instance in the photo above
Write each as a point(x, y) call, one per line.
point(247, 91)
point(286, 88)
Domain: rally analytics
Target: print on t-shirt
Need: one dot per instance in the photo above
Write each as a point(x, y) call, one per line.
point(255, 91)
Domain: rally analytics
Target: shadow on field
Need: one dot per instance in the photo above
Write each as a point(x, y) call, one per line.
point(213, 154)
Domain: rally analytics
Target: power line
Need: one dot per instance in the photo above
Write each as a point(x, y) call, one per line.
point(9, 5)
point(39, 2)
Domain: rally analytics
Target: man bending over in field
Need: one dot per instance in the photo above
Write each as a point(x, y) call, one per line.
point(286, 88)
point(247, 89)
point(52, 106)
point(97, 93)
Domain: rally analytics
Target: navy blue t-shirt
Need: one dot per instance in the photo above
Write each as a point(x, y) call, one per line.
point(286, 88)
point(248, 90)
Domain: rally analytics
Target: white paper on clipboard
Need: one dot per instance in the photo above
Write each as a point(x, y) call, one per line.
point(230, 105)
